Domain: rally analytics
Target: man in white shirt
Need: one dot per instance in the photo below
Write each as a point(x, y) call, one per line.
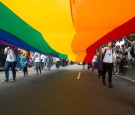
point(10, 62)
point(43, 57)
point(38, 62)
point(108, 60)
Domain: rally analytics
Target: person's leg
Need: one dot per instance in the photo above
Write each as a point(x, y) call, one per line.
point(130, 63)
point(42, 65)
point(36, 66)
point(122, 68)
point(134, 63)
point(105, 66)
point(58, 63)
point(45, 66)
point(13, 65)
point(118, 69)
point(24, 71)
point(39, 66)
point(93, 67)
point(7, 66)
point(99, 73)
point(116, 72)
point(110, 68)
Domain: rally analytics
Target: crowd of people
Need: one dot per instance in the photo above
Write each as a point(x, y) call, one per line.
point(114, 60)
point(111, 59)
point(19, 60)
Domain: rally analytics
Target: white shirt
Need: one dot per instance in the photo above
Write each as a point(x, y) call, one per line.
point(57, 59)
point(94, 59)
point(37, 57)
point(109, 56)
point(11, 56)
point(43, 57)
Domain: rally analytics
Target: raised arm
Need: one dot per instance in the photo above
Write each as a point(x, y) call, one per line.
point(6, 50)
point(128, 41)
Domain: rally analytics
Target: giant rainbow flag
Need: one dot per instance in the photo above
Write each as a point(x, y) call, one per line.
point(70, 29)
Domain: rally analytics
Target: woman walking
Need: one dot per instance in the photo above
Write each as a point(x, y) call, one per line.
point(24, 62)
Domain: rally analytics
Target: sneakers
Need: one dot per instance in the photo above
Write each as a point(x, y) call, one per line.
point(12, 80)
point(110, 85)
point(26, 74)
point(4, 81)
point(104, 83)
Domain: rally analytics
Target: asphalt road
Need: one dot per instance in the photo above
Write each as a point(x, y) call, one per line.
point(66, 92)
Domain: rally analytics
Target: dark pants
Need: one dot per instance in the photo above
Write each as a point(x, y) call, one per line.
point(134, 62)
point(38, 66)
point(57, 64)
point(42, 65)
point(122, 69)
point(100, 73)
point(107, 67)
point(7, 66)
point(25, 70)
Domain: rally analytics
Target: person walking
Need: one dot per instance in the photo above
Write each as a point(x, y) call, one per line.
point(108, 60)
point(10, 62)
point(42, 61)
point(24, 62)
point(37, 62)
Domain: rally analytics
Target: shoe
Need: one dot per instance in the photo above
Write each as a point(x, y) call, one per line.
point(26, 74)
point(104, 83)
point(4, 81)
point(12, 80)
point(110, 85)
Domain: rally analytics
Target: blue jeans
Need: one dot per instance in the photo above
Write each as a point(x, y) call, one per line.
point(7, 66)
point(38, 66)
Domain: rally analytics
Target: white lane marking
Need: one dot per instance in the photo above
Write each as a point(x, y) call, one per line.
point(127, 78)
point(79, 75)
